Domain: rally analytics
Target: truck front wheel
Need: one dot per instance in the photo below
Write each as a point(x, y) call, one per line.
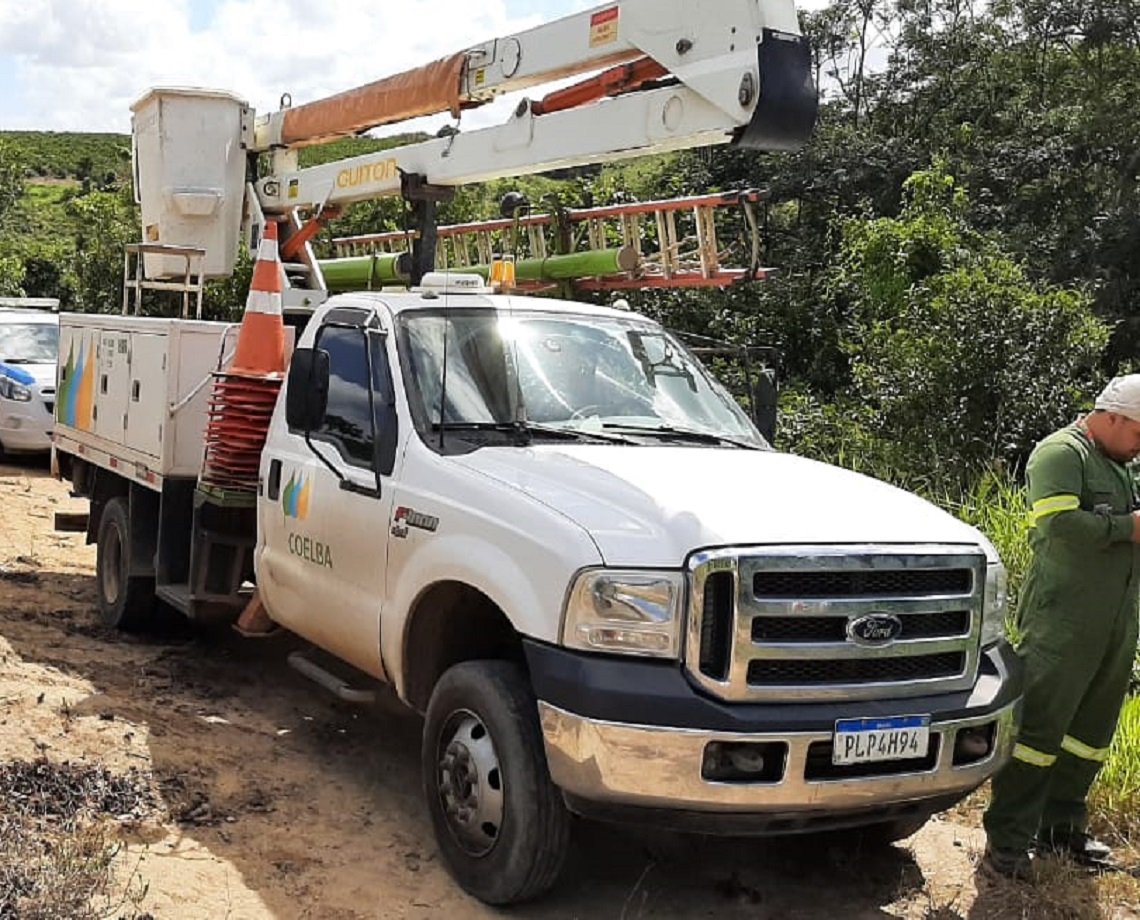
point(125, 601)
point(499, 820)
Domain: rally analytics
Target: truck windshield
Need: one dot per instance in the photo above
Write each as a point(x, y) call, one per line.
point(578, 373)
point(28, 343)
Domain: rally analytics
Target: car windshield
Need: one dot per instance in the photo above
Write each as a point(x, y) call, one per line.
point(589, 374)
point(29, 343)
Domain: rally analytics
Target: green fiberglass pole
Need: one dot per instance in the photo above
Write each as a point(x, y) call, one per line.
point(364, 272)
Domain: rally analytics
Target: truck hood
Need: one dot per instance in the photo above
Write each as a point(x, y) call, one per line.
point(653, 505)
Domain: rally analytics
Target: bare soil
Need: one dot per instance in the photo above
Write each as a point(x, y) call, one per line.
point(274, 800)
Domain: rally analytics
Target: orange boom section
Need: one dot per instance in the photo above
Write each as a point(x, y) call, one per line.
point(426, 90)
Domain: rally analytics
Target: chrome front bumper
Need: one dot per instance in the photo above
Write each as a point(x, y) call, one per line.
point(660, 768)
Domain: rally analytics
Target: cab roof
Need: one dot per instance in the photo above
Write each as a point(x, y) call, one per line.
point(400, 302)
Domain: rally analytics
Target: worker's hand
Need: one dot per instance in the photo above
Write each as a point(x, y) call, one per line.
point(1136, 526)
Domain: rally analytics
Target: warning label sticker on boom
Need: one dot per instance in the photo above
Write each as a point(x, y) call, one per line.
point(604, 27)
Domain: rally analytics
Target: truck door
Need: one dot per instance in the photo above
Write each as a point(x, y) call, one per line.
point(326, 503)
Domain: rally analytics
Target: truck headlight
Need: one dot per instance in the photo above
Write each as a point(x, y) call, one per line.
point(9, 389)
point(995, 604)
point(627, 612)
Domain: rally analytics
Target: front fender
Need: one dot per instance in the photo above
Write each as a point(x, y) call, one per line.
point(529, 591)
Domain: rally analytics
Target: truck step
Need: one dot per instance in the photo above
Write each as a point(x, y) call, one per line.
point(71, 521)
point(200, 606)
point(328, 680)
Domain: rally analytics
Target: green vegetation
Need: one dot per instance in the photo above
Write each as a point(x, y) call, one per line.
point(102, 158)
point(1115, 799)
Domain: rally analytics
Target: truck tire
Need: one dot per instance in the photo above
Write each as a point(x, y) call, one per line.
point(126, 601)
point(500, 822)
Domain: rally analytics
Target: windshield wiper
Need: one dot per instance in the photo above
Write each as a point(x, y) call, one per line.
point(509, 428)
point(576, 434)
point(524, 432)
point(669, 433)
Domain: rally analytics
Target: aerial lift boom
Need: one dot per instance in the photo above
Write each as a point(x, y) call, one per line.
point(675, 74)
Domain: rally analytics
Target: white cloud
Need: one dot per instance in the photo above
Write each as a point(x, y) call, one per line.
point(79, 64)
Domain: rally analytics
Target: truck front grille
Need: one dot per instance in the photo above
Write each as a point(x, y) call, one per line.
point(896, 583)
point(834, 629)
point(792, 623)
point(762, 673)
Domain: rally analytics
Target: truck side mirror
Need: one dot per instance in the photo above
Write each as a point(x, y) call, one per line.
point(764, 408)
point(307, 398)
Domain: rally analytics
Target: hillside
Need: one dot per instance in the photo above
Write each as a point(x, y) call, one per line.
point(70, 155)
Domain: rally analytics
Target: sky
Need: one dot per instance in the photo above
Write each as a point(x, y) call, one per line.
point(78, 65)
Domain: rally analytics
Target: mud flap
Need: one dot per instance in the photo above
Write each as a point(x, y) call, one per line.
point(786, 111)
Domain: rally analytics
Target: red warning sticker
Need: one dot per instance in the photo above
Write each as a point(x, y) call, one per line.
point(604, 27)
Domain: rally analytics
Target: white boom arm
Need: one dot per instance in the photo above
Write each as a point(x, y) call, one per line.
point(683, 73)
point(739, 71)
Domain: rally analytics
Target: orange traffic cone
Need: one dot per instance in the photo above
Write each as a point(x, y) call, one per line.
point(242, 402)
point(261, 339)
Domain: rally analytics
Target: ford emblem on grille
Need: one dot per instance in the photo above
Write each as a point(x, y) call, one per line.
point(875, 629)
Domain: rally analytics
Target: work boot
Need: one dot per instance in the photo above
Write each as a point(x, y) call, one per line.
point(1077, 845)
point(1011, 864)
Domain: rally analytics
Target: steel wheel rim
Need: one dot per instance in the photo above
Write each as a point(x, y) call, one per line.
point(470, 783)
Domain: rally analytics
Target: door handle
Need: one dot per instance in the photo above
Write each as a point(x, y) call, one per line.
point(274, 491)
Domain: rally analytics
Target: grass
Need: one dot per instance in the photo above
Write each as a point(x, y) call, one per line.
point(58, 841)
point(46, 874)
point(1115, 799)
point(997, 506)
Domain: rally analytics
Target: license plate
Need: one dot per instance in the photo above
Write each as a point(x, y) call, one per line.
point(871, 740)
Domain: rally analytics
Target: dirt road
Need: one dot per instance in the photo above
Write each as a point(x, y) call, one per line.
point(277, 801)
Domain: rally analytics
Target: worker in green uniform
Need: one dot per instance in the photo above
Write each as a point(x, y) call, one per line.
point(1077, 624)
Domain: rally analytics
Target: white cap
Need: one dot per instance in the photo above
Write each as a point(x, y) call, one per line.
point(1122, 396)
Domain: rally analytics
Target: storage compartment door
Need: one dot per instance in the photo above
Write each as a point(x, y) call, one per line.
point(146, 401)
point(112, 384)
point(75, 383)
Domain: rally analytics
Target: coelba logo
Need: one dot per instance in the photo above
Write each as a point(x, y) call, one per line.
point(295, 498)
point(76, 397)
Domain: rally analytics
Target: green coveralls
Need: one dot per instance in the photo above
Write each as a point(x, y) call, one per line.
point(1077, 619)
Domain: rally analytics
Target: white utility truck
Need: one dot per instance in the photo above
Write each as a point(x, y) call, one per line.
point(544, 524)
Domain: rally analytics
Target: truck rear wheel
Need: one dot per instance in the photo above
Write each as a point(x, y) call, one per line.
point(499, 821)
point(125, 601)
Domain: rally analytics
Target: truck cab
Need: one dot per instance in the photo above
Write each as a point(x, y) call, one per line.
point(556, 504)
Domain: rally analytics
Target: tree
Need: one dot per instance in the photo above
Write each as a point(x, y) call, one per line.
point(959, 355)
point(108, 221)
point(11, 190)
